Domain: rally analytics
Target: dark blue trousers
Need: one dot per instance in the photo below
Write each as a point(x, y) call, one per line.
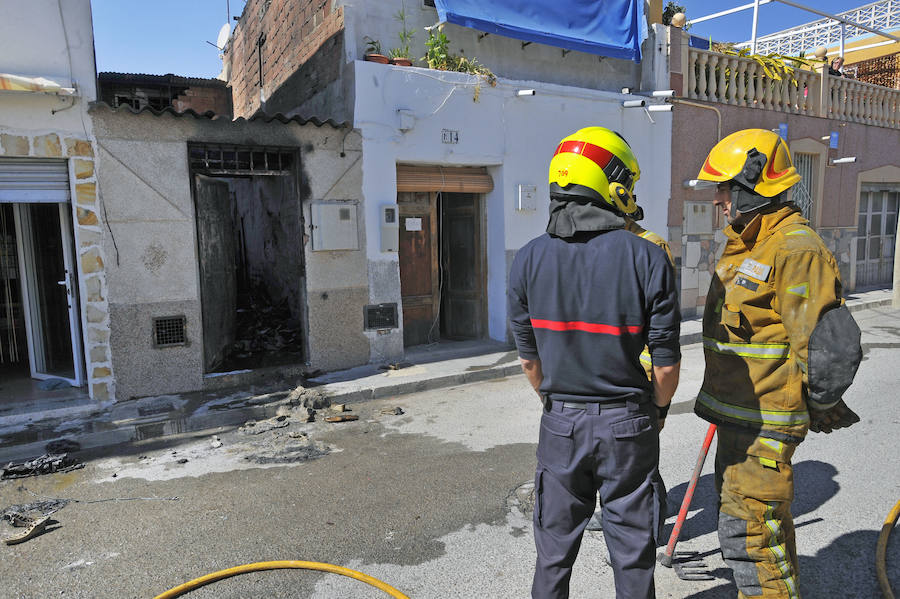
point(613, 451)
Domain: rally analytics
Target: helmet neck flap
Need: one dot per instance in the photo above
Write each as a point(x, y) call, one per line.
point(743, 197)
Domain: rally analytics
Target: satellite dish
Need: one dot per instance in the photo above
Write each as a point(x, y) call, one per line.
point(224, 32)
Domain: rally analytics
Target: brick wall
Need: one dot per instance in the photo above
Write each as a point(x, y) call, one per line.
point(204, 99)
point(884, 71)
point(294, 31)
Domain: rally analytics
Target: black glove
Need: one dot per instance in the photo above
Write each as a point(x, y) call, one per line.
point(835, 417)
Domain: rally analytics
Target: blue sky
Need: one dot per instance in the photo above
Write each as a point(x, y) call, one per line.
point(164, 36)
point(773, 17)
point(169, 36)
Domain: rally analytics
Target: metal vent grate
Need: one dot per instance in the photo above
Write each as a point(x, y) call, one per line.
point(381, 316)
point(169, 331)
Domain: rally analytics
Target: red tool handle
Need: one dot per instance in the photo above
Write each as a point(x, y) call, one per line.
point(666, 558)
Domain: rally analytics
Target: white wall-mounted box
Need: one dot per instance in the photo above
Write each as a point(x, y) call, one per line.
point(334, 226)
point(698, 218)
point(526, 198)
point(390, 228)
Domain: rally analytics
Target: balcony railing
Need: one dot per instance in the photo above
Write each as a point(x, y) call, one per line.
point(739, 81)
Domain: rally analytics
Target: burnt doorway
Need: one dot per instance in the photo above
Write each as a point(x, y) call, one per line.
point(441, 259)
point(250, 250)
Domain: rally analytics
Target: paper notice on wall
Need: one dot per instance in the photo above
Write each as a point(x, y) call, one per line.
point(413, 224)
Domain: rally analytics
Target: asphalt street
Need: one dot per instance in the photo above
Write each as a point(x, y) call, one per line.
point(433, 501)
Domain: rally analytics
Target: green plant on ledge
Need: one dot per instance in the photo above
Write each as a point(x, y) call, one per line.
point(405, 36)
point(372, 46)
point(438, 57)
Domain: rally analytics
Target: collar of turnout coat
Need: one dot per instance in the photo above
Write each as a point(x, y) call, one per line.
point(764, 223)
point(568, 218)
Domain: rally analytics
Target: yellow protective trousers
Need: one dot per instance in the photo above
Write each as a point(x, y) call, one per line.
point(755, 481)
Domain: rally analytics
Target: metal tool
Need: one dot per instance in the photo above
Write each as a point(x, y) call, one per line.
point(686, 564)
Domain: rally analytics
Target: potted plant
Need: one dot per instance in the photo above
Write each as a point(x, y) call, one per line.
point(438, 56)
point(373, 51)
point(401, 54)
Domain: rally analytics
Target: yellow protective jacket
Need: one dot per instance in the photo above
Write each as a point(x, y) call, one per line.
point(632, 226)
point(773, 284)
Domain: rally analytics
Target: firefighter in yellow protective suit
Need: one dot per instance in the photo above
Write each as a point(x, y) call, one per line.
point(780, 347)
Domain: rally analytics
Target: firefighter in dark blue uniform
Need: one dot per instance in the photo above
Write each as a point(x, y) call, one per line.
point(584, 299)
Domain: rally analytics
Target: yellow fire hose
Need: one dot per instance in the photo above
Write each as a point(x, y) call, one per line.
point(880, 568)
point(279, 565)
point(881, 551)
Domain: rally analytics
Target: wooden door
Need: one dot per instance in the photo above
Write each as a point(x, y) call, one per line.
point(218, 280)
point(418, 254)
point(463, 261)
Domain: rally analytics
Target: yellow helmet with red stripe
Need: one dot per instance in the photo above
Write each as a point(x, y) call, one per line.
point(757, 159)
point(596, 164)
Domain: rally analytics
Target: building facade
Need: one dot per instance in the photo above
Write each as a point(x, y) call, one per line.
point(845, 141)
point(453, 165)
point(54, 328)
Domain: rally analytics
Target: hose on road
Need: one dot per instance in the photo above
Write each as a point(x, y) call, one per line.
point(881, 552)
point(279, 565)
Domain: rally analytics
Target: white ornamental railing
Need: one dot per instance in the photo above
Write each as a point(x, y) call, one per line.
point(740, 81)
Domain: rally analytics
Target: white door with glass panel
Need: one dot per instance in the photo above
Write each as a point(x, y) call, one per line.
point(875, 234)
point(35, 193)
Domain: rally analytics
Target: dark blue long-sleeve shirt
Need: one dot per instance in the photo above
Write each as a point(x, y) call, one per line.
point(586, 306)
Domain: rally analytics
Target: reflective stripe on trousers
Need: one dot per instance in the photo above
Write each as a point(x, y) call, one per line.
point(756, 529)
point(767, 351)
point(754, 415)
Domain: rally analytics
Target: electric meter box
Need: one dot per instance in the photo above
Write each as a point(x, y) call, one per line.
point(526, 198)
point(390, 227)
point(334, 226)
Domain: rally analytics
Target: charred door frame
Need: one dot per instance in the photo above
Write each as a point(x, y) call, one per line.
point(221, 169)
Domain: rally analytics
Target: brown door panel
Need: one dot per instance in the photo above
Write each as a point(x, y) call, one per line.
point(419, 284)
point(463, 300)
point(418, 316)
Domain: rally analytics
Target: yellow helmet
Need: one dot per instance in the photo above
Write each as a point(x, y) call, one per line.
point(757, 159)
point(596, 164)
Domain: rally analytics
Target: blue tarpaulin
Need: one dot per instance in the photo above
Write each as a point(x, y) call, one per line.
point(613, 28)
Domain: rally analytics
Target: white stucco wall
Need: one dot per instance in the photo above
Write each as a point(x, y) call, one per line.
point(52, 39)
point(513, 136)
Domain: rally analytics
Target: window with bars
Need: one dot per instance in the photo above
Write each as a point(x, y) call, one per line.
point(804, 192)
point(240, 160)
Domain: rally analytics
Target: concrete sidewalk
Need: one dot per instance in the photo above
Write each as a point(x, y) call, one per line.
point(445, 364)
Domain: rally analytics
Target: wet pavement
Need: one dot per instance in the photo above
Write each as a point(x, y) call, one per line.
point(433, 500)
point(25, 433)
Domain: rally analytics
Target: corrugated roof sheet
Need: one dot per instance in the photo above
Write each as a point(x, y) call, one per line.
point(258, 116)
point(167, 79)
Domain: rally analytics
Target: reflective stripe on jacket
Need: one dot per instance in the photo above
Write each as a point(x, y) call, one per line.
point(773, 283)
